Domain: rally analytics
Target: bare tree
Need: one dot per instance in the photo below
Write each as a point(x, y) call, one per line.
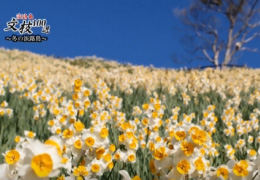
point(212, 38)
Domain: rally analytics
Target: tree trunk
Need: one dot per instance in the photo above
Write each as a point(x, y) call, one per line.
point(229, 46)
point(216, 59)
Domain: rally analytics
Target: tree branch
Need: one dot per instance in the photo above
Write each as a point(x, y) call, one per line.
point(207, 55)
point(252, 26)
point(203, 19)
point(250, 14)
point(249, 49)
point(255, 35)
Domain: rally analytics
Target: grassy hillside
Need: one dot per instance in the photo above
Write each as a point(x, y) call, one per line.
point(95, 118)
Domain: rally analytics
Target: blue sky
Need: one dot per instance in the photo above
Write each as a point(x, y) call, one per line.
point(141, 32)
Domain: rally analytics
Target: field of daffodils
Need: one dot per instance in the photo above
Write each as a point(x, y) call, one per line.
point(87, 118)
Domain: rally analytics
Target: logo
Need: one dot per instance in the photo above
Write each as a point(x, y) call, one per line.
point(24, 24)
